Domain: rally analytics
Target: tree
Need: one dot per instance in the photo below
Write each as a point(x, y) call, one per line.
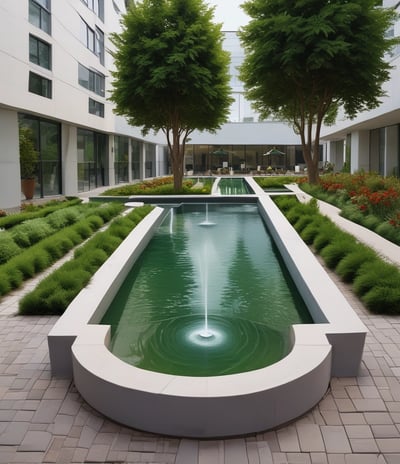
point(171, 72)
point(304, 59)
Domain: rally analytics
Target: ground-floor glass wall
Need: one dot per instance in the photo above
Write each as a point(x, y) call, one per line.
point(46, 136)
point(121, 159)
point(244, 159)
point(150, 160)
point(92, 162)
point(136, 149)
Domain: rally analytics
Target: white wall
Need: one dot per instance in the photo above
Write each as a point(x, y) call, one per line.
point(265, 133)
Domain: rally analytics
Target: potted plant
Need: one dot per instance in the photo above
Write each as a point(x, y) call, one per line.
point(28, 158)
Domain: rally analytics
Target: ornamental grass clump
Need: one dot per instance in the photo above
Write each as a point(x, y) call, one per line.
point(349, 265)
point(8, 248)
point(31, 232)
point(337, 249)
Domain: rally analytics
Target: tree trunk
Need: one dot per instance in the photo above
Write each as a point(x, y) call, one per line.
point(177, 160)
point(313, 173)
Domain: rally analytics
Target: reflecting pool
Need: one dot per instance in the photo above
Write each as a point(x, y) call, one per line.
point(208, 296)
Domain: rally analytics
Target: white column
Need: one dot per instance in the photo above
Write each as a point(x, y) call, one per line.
point(360, 151)
point(69, 150)
point(391, 165)
point(10, 176)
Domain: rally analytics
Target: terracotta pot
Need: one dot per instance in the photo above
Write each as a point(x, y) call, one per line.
point(28, 188)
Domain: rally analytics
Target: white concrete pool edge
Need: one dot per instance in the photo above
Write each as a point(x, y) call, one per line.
point(210, 406)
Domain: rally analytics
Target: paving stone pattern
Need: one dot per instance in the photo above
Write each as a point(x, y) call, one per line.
point(44, 419)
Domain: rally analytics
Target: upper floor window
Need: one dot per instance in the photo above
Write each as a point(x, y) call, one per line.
point(93, 40)
point(40, 85)
point(39, 14)
point(91, 80)
point(97, 6)
point(39, 52)
point(96, 108)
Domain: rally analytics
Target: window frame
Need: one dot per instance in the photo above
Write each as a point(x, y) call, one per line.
point(33, 40)
point(96, 108)
point(44, 15)
point(96, 81)
point(48, 92)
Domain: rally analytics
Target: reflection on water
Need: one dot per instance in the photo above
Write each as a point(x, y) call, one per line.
point(233, 270)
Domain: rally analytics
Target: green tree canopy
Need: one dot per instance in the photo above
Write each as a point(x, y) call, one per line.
point(171, 72)
point(307, 58)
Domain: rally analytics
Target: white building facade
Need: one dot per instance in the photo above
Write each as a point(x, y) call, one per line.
point(55, 79)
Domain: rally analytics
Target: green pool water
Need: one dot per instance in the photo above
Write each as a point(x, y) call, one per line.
point(233, 186)
point(229, 269)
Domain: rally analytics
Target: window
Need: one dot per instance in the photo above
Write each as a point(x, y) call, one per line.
point(39, 52)
point(40, 85)
point(93, 40)
point(99, 45)
point(91, 80)
point(96, 108)
point(97, 6)
point(39, 14)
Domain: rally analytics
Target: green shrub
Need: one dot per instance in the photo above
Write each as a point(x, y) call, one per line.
point(371, 222)
point(25, 264)
point(389, 232)
point(285, 202)
point(95, 222)
point(41, 261)
point(64, 217)
point(31, 232)
point(349, 265)
point(326, 234)
point(375, 273)
point(383, 299)
point(20, 235)
point(309, 232)
point(83, 228)
point(108, 211)
point(5, 286)
point(302, 222)
point(8, 248)
point(333, 253)
point(90, 262)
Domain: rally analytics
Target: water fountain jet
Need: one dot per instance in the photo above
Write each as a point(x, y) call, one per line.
point(206, 222)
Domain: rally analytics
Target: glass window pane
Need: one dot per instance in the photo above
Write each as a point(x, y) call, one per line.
point(90, 40)
point(45, 23)
point(44, 3)
point(33, 50)
point(44, 55)
point(83, 76)
point(34, 14)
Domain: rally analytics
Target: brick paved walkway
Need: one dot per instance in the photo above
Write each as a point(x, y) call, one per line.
point(44, 420)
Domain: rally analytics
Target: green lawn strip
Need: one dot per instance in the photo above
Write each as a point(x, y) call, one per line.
point(54, 293)
point(43, 254)
point(36, 211)
point(374, 280)
point(14, 240)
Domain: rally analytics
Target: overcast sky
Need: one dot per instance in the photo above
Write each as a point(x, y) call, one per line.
point(229, 13)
